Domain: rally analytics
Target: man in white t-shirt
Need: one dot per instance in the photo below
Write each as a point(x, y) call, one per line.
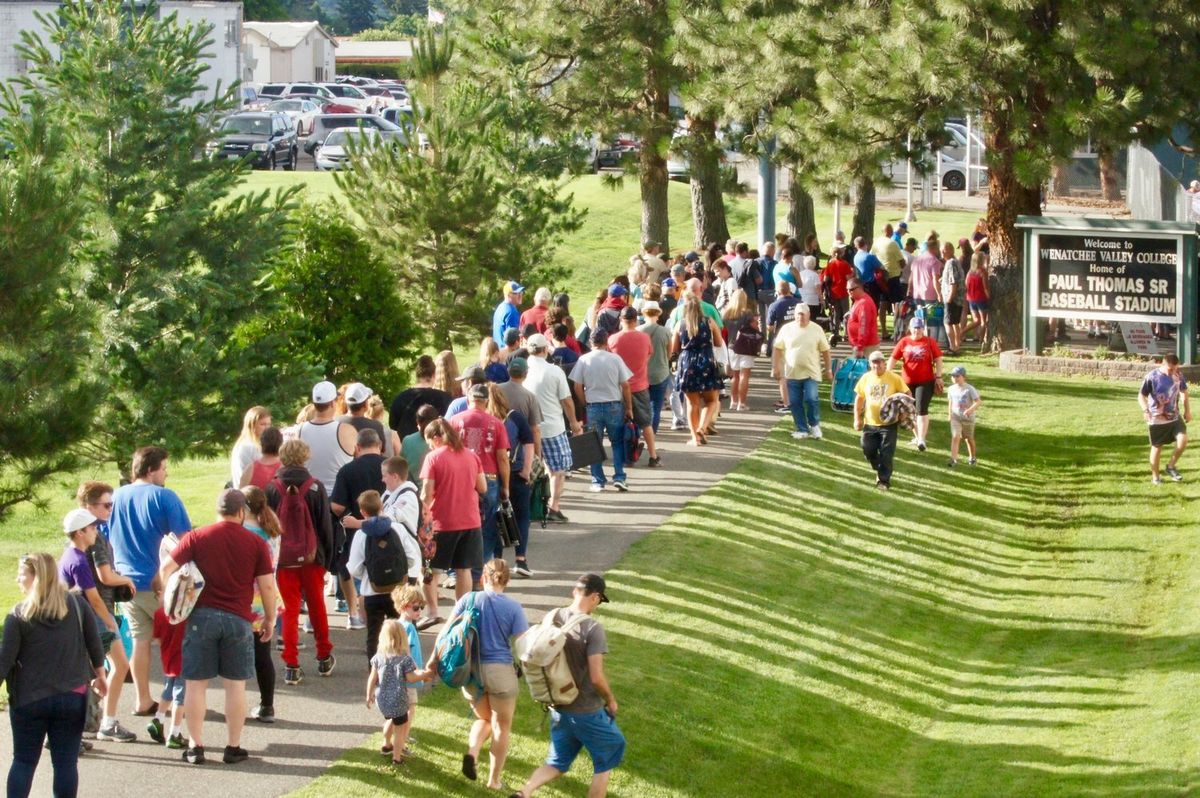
point(549, 385)
point(800, 355)
point(601, 380)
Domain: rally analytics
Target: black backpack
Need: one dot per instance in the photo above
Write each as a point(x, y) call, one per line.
point(386, 562)
point(608, 320)
point(747, 279)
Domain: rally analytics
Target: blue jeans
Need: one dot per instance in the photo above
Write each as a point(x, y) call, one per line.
point(61, 718)
point(488, 503)
point(596, 731)
point(804, 403)
point(609, 418)
point(520, 493)
point(658, 394)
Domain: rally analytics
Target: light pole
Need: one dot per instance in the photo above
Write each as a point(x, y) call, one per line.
point(909, 216)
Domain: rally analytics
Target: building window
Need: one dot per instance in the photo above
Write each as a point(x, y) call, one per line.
point(232, 35)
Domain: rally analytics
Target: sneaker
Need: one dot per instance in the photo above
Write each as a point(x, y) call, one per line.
point(879, 483)
point(556, 516)
point(914, 442)
point(654, 462)
point(783, 411)
point(234, 754)
point(325, 666)
point(1155, 480)
point(194, 756)
point(972, 461)
point(952, 463)
point(263, 714)
point(155, 730)
point(921, 446)
point(800, 436)
point(596, 488)
point(450, 580)
point(353, 622)
point(1173, 473)
point(308, 629)
point(83, 745)
point(292, 675)
point(814, 432)
point(620, 485)
point(116, 732)
point(676, 426)
point(177, 743)
point(342, 606)
point(522, 569)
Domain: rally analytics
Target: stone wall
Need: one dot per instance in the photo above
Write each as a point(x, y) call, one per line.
point(1017, 360)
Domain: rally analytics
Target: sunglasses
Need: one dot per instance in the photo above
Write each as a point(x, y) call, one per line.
point(105, 505)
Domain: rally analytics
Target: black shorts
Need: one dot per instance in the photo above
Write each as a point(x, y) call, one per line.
point(953, 312)
point(457, 550)
point(1165, 434)
point(400, 720)
point(922, 394)
point(641, 408)
point(896, 289)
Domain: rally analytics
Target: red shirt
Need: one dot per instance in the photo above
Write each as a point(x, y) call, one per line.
point(482, 433)
point(230, 557)
point(170, 642)
point(861, 327)
point(976, 287)
point(573, 345)
point(836, 273)
point(634, 347)
point(261, 473)
point(455, 504)
point(536, 316)
point(917, 356)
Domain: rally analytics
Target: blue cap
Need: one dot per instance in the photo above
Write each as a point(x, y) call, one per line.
point(669, 283)
point(513, 287)
point(616, 289)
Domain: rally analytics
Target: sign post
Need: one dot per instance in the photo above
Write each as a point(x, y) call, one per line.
point(1121, 270)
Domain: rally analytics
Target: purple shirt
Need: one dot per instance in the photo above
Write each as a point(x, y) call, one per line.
point(923, 280)
point(75, 570)
point(1162, 395)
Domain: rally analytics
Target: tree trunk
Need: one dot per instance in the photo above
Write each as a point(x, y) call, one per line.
point(864, 211)
point(802, 216)
point(1060, 179)
point(1110, 187)
point(708, 201)
point(652, 176)
point(1007, 199)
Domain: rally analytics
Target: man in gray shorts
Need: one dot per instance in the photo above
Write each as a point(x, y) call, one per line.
point(219, 639)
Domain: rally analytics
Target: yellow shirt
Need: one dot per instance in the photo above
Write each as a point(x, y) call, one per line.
point(875, 388)
point(802, 348)
point(888, 252)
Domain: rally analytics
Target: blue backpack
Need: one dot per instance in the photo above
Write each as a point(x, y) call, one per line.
point(457, 647)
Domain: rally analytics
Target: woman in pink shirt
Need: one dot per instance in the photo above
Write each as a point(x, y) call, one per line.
point(451, 483)
point(924, 283)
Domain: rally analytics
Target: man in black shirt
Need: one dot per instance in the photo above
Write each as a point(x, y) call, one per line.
point(363, 473)
point(403, 413)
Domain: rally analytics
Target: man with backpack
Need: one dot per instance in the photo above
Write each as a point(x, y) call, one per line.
point(306, 548)
point(590, 719)
point(385, 554)
point(360, 474)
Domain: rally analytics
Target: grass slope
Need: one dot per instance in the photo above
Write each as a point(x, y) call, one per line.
point(1027, 627)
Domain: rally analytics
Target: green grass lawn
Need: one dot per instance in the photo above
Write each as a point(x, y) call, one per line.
point(1026, 627)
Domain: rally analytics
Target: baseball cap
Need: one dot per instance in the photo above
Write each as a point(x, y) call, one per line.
point(691, 257)
point(629, 312)
point(877, 355)
point(357, 393)
point(958, 371)
point(518, 367)
point(616, 289)
point(473, 374)
point(537, 341)
point(324, 392)
point(669, 283)
point(230, 502)
point(902, 226)
point(917, 324)
point(513, 287)
point(592, 583)
point(650, 305)
point(803, 307)
point(77, 519)
point(477, 391)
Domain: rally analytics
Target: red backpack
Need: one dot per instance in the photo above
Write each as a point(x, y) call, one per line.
point(298, 544)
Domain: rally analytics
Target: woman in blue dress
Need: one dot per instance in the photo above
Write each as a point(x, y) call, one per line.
point(698, 377)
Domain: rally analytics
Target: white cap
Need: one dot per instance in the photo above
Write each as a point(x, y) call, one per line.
point(77, 519)
point(650, 304)
point(357, 393)
point(324, 392)
point(802, 307)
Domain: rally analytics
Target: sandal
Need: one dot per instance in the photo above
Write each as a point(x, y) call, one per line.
point(426, 623)
point(385, 749)
point(149, 712)
point(468, 767)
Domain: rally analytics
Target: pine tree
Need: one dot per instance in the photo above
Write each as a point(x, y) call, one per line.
point(356, 15)
point(171, 253)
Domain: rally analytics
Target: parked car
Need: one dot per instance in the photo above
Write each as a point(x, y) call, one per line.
point(352, 96)
point(323, 124)
point(267, 139)
point(380, 94)
point(612, 155)
point(278, 90)
point(357, 81)
point(334, 153)
point(325, 106)
point(402, 116)
point(300, 111)
point(248, 96)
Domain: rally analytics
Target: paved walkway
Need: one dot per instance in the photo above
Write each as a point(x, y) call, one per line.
point(319, 719)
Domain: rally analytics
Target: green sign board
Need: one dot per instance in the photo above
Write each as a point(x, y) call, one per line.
point(1119, 270)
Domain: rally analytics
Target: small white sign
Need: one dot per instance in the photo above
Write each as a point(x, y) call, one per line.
point(1139, 338)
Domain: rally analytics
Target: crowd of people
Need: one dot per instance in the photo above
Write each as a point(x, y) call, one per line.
point(449, 476)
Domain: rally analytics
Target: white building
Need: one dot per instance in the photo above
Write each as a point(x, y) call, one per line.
point(287, 52)
point(225, 55)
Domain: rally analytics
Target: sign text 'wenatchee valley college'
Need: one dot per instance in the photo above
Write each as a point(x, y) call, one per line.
point(1117, 277)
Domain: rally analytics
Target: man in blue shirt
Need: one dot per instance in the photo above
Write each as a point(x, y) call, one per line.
point(143, 513)
point(508, 313)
